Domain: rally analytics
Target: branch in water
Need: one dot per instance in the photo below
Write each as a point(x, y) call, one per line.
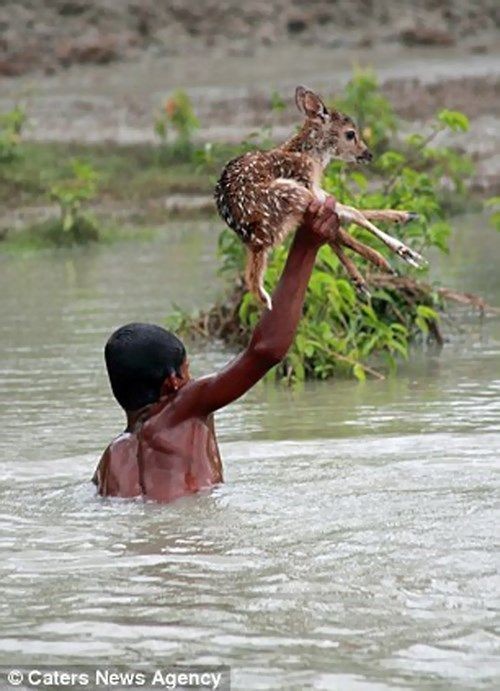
point(418, 289)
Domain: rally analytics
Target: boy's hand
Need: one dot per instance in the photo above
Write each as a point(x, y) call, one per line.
point(320, 222)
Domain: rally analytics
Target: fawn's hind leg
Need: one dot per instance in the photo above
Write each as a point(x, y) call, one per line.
point(345, 240)
point(254, 274)
point(352, 271)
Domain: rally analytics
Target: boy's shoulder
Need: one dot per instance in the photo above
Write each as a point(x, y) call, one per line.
point(117, 471)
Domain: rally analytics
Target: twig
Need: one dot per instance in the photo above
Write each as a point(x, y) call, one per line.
point(436, 332)
point(468, 299)
point(390, 183)
point(405, 284)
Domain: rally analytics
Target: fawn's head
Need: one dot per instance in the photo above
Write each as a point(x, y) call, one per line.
point(328, 133)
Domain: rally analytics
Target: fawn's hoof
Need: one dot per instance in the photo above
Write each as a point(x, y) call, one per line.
point(412, 216)
point(265, 299)
point(411, 257)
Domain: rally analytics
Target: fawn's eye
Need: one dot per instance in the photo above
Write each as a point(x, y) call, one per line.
point(350, 134)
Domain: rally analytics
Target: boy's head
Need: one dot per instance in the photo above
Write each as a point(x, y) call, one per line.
point(139, 357)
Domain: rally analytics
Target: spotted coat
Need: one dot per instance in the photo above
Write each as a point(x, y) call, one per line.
point(256, 194)
point(262, 195)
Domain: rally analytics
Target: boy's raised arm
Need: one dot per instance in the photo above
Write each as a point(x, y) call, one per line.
point(276, 329)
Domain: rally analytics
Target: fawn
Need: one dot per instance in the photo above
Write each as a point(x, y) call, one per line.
point(262, 195)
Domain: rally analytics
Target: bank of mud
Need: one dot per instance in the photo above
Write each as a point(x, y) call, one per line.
point(117, 103)
point(50, 35)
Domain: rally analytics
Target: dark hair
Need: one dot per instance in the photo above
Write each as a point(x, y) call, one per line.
point(139, 357)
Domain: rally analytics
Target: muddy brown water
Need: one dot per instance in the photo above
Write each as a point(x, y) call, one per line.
point(353, 545)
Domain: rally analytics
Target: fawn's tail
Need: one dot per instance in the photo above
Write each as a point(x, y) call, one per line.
point(254, 275)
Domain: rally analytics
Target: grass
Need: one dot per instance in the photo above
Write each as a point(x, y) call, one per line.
point(40, 236)
point(126, 173)
point(132, 184)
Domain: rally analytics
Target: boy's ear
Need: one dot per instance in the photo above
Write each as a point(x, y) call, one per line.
point(171, 384)
point(310, 104)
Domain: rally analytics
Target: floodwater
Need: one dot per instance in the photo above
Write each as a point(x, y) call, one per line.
point(352, 546)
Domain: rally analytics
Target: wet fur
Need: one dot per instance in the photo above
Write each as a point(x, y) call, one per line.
point(262, 195)
point(270, 204)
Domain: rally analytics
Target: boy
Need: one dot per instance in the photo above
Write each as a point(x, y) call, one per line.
point(169, 448)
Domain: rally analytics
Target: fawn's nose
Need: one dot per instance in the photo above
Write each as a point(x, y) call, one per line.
point(366, 156)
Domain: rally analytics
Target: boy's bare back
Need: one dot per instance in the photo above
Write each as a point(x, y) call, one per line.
point(161, 457)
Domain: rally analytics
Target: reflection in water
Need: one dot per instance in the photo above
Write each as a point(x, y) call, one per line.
point(352, 546)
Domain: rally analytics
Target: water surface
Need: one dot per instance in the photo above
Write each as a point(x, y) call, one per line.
point(353, 545)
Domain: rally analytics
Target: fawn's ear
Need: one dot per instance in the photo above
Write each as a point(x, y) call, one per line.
point(310, 104)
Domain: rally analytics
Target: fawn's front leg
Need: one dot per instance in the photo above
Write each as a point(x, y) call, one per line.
point(364, 251)
point(390, 215)
point(348, 214)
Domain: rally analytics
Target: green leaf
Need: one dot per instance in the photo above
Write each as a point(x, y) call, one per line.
point(247, 304)
point(160, 128)
point(400, 347)
point(495, 220)
point(360, 179)
point(427, 313)
point(415, 140)
point(277, 103)
point(422, 325)
point(390, 160)
point(309, 350)
point(438, 234)
point(68, 221)
point(359, 372)
point(454, 120)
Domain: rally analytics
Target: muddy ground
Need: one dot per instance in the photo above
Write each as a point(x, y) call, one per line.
point(231, 95)
point(47, 35)
point(97, 70)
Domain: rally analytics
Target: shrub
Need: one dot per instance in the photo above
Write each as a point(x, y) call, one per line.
point(11, 125)
point(493, 206)
point(178, 117)
point(372, 112)
point(73, 225)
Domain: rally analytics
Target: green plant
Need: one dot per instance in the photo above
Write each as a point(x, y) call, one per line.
point(493, 205)
point(11, 125)
point(70, 195)
point(372, 112)
point(177, 116)
point(338, 333)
